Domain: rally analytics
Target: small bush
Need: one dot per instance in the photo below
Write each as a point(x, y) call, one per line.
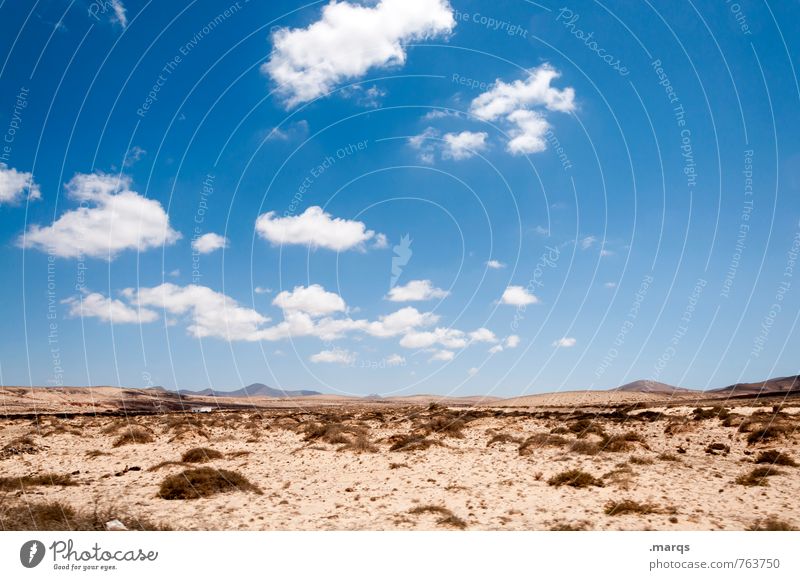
point(412, 443)
point(200, 455)
point(56, 516)
point(584, 447)
point(204, 482)
point(541, 440)
point(764, 434)
point(775, 457)
point(359, 445)
point(620, 443)
point(503, 438)
point(712, 413)
point(639, 460)
point(718, 448)
point(579, 526)
point(446, 425)
point(668, 457)
point(584, 427)
point(447, 519)
point(575, 478)
point(20, 446)
point(771, 524)
point(757, 477)
point(133, 435)
point(628, 506)
point(17, 483)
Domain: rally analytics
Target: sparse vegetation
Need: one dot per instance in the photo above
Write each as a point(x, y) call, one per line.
point(775, 457)
point(20, 446)
point(359, 445)
point(412, 442)
point(621, 442)
point(771, 524)
point(200, 455)
point(503, 438)
point(667, 457)
point(133, 435)
point(575, 478)
point(447, 519)
point(541, 440)
point(628, 506)
point(56, 516)
point(204, 482)
point(757, 477)
point(20, 483)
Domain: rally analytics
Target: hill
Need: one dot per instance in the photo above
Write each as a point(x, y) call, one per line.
point(775, 386)
point(648, 386)
point(254, 390)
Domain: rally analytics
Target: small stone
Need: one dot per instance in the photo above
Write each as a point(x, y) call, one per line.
point(115, 526)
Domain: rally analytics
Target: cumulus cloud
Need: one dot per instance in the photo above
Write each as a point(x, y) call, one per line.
point(518, 296)
point(416, 290)
point(313, 300)
point(566, 342)
point(587, 242)
point(314, 228)
point(495, 264)
point(347, 41)
point(463, 145)
point(395, 360)
point(512, 341)
point(120, 13)
point(482, 335)
point(400, 322)
point(16, 185)
point(446, 337)
point(94, 305)
point(495, 349)
point(443, 355)
point(336, 356)
point(111, 219)
point(208, 243)
point(519, 103)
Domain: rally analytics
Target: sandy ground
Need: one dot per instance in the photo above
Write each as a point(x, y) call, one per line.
point(309, 482)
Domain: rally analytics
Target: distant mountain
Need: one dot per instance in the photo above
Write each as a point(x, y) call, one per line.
point(254, 390)
point(648, 386)
point(769, 387)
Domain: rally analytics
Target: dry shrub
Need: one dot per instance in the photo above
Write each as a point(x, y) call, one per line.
point(287, 423)
point(621, 442)
point(20, 483)
point(335, 433)
point(445, 425)
point(717, 449)
point(775, 457)
point(503, 438)
point(20, 446)
point(584, 427)
point(716, 412)
point(56, 516)
point(61, 430)
point(541, 440)
point(667, 457)
point(763, 433)
point(629, 506)
point(640, 460)
point(397, 465)
point(771, 524)
point(575, 478)
point(411, 442)
point(584, 447)
point(448, 519)
point(158, 466)
point(93, 453)
point(200, 455)
point(204, 482)
point(757, 477)
point(359, 445)
point(134, 435)
point(578, 526)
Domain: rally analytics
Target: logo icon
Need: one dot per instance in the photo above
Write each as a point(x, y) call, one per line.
point(402, 254)
point(31, 553)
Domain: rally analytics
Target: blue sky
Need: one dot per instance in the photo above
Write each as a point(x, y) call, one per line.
point(399, 197)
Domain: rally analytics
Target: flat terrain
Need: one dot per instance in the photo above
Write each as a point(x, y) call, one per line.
point(623, 461)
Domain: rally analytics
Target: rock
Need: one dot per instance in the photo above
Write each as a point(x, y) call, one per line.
point(115, 526)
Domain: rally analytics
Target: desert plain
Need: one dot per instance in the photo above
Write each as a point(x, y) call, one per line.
point(106, 458)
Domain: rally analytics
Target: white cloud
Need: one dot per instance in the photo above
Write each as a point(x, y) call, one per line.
point(610, 285)
point(120, 13)
point(463, 145)
point(314, 228)
point(515, 103)
point(542, 231)
point(495, 349)
point(210, 313)
point(512, 341)
point(518, 296)
point(395, 360)
point(262, 290)
point(444, 355)
point(446, 337)
point(495, 264)
point(416, 290)
point(587, 242)
point(15, 185)
point(566, 342)
point(336, 356)
point(473, 371)
point(349, 40)
point(482, 335)
point(208, 243)
point(606, 253)
point(313, 300)
point(400, 322)
point(381, 242)
point(111, 219)
point(135, 153)
point(94, 305)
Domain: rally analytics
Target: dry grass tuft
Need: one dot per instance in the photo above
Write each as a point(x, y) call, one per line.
point(134, 435)
point(56, 516)
point(537, 440)
point(412, 442)
point(359, 445)
point(629, 506)
point(20, 446)
point(771, 524)
point(448, 519)
point(621, 442)
point(503, 438)
point(757, 477)
point(575, 478)
point(200, 455)
point(667, 457)
point(584, 447)
point(204, 482)
point(20, 483)
point(775, 457)
point(93, 453)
